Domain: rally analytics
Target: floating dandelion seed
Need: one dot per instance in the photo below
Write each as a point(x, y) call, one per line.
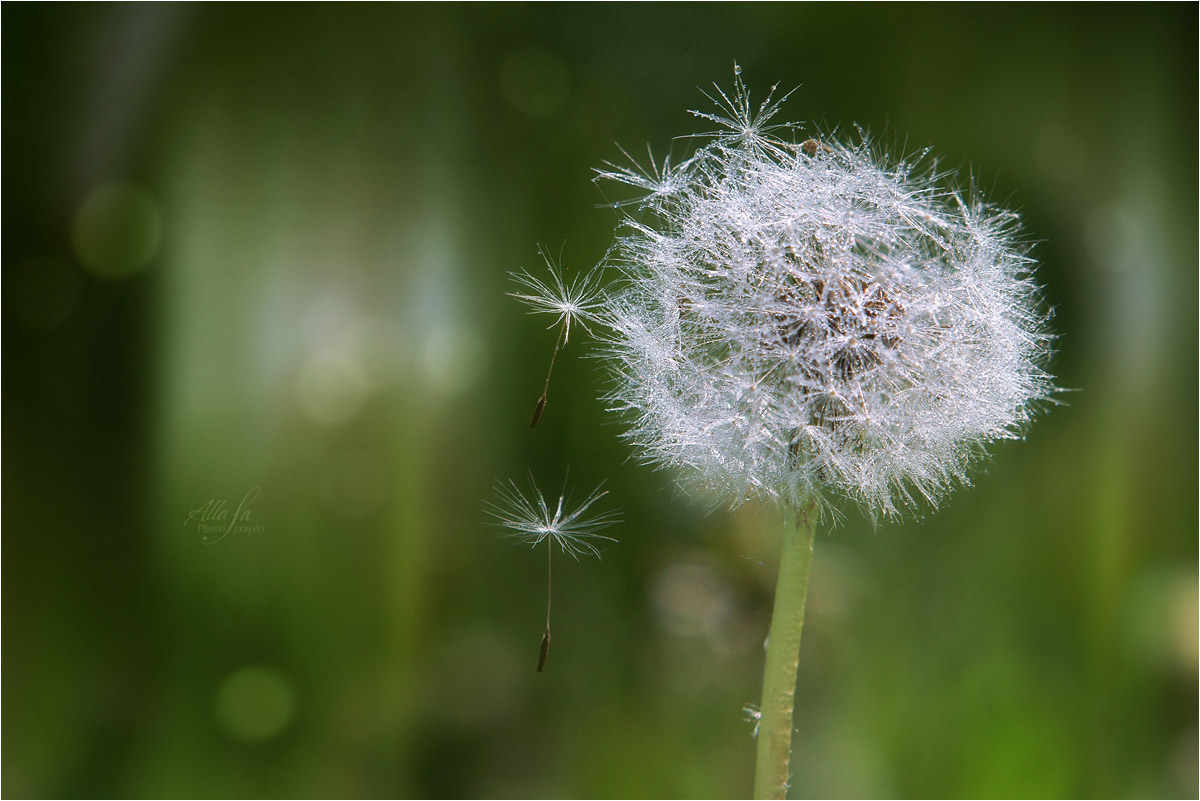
point(531, 520)
point(576, 301)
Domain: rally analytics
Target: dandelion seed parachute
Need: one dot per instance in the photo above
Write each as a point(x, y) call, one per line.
point(531, 520)
point(795, 319)
point(570, 301)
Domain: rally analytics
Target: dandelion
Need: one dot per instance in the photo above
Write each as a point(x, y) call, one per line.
point(578, 301)
point(532, 521)
point(797, 322)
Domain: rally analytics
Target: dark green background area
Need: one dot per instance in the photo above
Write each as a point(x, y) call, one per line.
point(266, 247)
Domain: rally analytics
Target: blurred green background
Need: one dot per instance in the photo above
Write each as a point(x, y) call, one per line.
point(265, 248)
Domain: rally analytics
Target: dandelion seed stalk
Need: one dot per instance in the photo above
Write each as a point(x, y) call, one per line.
point(783, 656)
point(541, 402)
point(545, 649)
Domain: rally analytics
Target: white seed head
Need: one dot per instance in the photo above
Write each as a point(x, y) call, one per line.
point(531, 519)
point(795, 319)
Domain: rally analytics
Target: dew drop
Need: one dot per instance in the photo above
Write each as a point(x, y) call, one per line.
point(737, 69)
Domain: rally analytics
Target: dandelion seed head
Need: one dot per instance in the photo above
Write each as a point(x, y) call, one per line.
point(800, 319)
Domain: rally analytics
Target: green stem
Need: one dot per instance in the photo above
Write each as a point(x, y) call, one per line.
point(783, 656)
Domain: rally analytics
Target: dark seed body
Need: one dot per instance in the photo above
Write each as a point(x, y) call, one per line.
point(537, 411)
point(544, 652)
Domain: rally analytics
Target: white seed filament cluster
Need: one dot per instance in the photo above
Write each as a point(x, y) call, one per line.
point(800, 318)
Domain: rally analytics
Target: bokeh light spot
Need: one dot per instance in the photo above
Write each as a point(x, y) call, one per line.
point(452, 358)
point(383, 350)
point(1115, 238)
point(332, 387)
point(117, 230)
point(255, 704)
point(692, 600)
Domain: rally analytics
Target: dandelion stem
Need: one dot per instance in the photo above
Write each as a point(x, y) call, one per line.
point(541, 402)
point(783, 656)
point(544, 652)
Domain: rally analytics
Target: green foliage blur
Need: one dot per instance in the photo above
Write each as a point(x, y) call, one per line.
point(254, 263)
